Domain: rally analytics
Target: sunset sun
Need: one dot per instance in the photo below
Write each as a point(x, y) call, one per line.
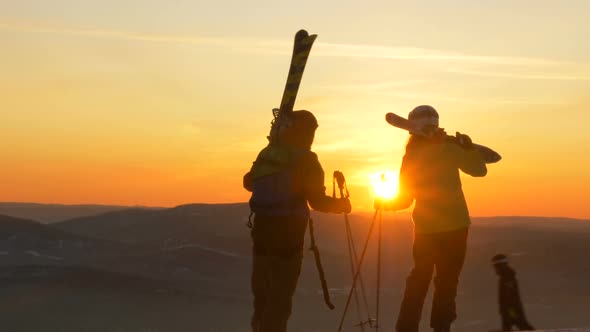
point(385, 184)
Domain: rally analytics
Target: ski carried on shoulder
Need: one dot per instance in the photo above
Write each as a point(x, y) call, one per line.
point(490, 156)
point(301, 49)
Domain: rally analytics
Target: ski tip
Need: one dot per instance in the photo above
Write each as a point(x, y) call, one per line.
point(391, 115)
point(301, 34)
point(394, 119)
point(489, 156)
point(498, 158)
point(492, 157)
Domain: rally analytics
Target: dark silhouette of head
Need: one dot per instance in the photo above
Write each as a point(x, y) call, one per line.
point(500, 263)
point(300, 132)
point(427, 117)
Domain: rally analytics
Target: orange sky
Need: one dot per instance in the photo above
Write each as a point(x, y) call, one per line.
point(153, 104)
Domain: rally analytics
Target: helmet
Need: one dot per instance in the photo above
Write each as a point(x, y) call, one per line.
point(286, 123)
point(299, 129)
point(303, 119)
point(425, 115)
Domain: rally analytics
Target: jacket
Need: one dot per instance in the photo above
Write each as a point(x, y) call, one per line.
point(429, 175)
point(279, 228)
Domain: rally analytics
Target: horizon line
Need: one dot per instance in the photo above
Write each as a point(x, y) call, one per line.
point(246, 203)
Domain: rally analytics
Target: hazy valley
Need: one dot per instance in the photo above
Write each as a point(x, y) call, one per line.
point(187, 269)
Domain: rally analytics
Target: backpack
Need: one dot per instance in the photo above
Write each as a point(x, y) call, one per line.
point(275, 191)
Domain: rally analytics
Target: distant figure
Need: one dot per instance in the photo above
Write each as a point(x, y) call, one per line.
point(430, 175)
point(510, 305)
point(285, 177)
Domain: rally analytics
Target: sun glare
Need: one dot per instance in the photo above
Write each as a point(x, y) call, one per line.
point(385, 184)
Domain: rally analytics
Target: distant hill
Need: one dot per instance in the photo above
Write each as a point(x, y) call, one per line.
point(191, 265)
point(26, 242)
point(549, 223)
point(214, 225)
point(11, 227)
point(49, 213)
point(205, 249)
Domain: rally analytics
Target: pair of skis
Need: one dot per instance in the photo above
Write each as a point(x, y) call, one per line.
point(281, 116)
point(489, 156)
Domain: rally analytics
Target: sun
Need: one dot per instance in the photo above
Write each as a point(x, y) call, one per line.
point(385, 184)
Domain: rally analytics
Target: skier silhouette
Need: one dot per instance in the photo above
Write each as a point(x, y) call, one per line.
point(510, 306)
point(285, 177)
point(430, 175)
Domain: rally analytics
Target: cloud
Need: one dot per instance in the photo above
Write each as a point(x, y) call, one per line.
point(351, 95)
point(423, 54)
point(374, 86)
point(137, 36)
point(265, 46)
point(466, 100)
point(519, 75)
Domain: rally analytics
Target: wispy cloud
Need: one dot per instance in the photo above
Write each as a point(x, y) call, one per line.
point(237, 43)
point(265, 46)
point(423, 54)
point(412, 96)
point(522, 76)
point(466, 100)
point(352, 95)
point(374, 86)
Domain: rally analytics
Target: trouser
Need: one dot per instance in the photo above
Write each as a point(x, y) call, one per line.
point(274, 280)
point(444, 252)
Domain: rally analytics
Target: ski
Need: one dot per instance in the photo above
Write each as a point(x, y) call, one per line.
point(301, 49)
point(490, 156)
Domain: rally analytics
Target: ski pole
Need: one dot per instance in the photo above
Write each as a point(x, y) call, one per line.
point(358, 270)
point(352, 252)
point(318, 264)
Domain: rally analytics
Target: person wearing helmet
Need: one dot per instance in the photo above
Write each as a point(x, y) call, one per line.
point(284, 179)
point(429, 175)
point(510, 306)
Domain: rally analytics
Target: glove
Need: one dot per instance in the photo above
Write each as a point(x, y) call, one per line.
point(464, 140)
point(344, 205)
